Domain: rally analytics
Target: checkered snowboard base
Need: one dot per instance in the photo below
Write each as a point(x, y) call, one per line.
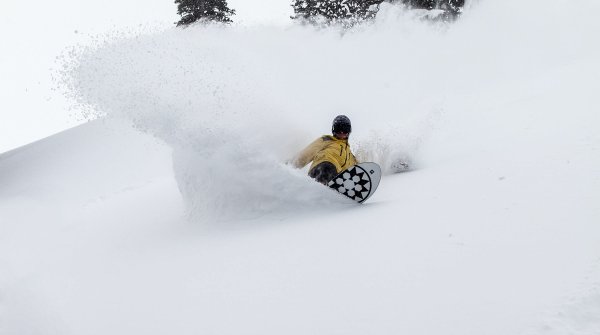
point(358, 182)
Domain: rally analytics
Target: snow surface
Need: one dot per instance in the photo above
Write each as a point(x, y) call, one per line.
point(174, 212)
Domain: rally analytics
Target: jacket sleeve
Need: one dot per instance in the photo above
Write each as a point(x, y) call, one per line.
point(353, 160)
point(308, 154)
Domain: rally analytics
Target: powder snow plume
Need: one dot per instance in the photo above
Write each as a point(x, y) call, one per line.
point(235, 103)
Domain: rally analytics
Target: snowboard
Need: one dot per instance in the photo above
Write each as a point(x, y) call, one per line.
point(358, 182)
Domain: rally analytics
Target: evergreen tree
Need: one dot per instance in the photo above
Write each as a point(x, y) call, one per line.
point(350, 12)
point(210, 10)
point(451, 8)
point(346, 12)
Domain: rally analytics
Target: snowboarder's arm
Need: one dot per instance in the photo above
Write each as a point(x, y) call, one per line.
point(308, 154)
point(353, 160)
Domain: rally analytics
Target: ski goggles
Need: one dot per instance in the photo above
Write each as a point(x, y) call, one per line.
point(342, 128)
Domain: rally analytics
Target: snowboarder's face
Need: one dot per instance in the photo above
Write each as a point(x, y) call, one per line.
point(341, 135)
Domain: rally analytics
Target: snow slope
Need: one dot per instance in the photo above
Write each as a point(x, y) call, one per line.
point(174, 212)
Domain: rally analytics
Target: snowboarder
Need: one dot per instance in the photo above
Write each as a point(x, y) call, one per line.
point(330, 155)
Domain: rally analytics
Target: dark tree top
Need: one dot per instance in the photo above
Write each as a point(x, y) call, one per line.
point(209, 10)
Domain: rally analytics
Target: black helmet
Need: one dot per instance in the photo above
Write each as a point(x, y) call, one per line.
point(341, 124)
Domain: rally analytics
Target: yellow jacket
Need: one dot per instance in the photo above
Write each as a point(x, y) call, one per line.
point(326, 149)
